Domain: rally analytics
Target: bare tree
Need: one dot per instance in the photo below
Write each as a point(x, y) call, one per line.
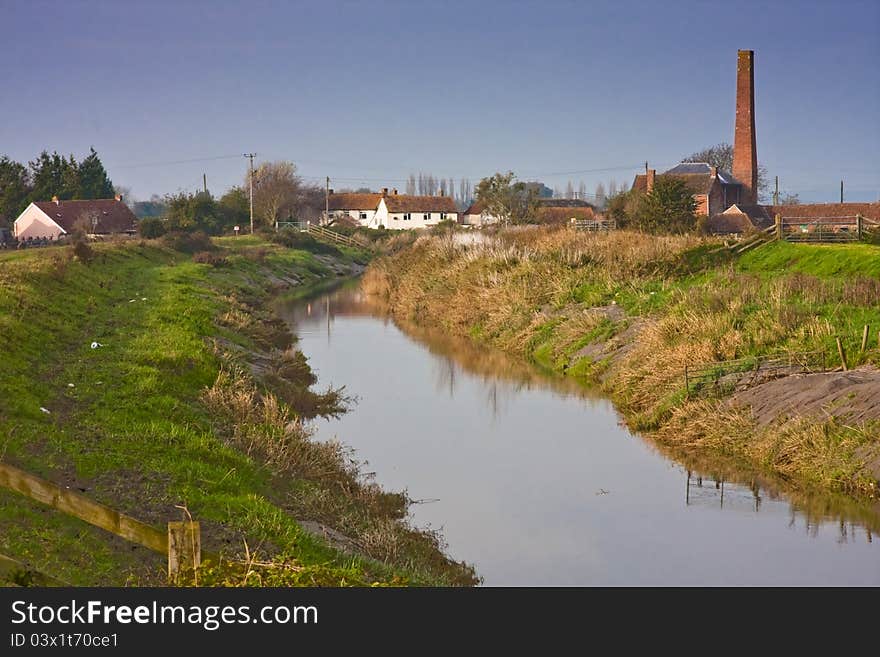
point(582, 190)
point(612, 188)
point(600, 195)
point(569, 190)
point(411, 184)
point(276, 190)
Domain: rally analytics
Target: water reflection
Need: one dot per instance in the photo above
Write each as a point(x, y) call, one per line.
point(535, 480)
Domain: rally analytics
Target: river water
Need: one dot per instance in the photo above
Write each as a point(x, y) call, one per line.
point(535, 481)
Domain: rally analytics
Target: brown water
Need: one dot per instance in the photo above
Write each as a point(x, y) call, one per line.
point(534, 480)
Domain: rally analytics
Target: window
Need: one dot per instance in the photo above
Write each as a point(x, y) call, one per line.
point(363, 215)
point(442, 216)
point(427, 216)
point(407, 217)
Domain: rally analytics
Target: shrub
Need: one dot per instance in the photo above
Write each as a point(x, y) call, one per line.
point(294, 239)
point(82, 249)
point(188, 242)
point(151, 228)
point(208, 258)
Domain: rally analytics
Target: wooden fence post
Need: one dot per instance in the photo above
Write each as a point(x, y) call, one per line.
point(779, 226)
point(184, 548)
point(859, 226)
point(865, 338)
point(687, 385)
point(842, 355)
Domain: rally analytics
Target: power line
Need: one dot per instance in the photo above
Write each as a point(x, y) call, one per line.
point(170, 162)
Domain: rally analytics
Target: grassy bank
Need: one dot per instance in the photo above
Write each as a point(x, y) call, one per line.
point(193, 401)
point(629, 311)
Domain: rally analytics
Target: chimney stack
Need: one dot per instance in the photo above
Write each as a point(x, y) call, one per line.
point(650, 174)
point(745, 155)
point(330, 192)
point(384, 192)
point(714, 171)
point(394, 191)
point(118, 197)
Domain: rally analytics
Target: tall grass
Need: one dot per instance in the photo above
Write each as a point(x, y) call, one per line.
point(546, 293)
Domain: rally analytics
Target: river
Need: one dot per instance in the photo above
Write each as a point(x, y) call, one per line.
point(535, 480)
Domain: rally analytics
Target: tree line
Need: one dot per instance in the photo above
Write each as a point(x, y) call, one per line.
point(48, 176)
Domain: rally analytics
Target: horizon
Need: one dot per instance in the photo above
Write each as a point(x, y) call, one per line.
point(552, 91)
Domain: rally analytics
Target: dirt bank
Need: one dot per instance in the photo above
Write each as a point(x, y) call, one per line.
point(852, 396)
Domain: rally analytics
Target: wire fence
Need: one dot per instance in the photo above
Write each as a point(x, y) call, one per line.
point(729, 376)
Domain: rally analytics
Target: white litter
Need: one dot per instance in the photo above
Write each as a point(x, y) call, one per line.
point(143, 298)
point(95, 345)
point(132, 300)
point(70, 385)
point(45, 410)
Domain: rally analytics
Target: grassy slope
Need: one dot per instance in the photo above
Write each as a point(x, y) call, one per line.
point(132, 430)
point(532, 293)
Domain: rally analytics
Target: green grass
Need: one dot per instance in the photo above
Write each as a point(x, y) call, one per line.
point(126, 422)
point(823, 260)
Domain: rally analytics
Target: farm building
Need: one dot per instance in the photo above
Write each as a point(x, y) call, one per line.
point(549, 210)
point(401, 211)
point(53, 219)
point(714, 189)
point(359, 207)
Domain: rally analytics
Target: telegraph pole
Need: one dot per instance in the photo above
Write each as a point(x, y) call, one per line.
point(776, 193)
point(327, 200)
point(251, 156)
point(841, 191)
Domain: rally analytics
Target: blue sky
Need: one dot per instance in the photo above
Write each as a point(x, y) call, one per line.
point(367, 92)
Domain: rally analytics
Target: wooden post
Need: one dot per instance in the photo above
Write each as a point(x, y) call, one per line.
point(184, 548)
point(779, 227)
point(859, 226)
point(865, 338)
point(687, 385)
point(842, 355)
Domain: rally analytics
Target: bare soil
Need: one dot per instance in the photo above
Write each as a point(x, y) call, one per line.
point(852, 396)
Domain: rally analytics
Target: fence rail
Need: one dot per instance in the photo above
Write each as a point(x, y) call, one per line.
point(594, 225)
point(181, 542)
point(725, 377)
point(823, 229)
point(323, 233)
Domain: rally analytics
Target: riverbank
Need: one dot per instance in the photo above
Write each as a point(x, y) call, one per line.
point(628, 312)
point(161, 384)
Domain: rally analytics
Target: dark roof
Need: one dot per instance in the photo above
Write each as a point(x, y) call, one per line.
point(702, 168)
point(556, 214)
point(728, 223)
point(811, 211)
point(353, 201)
point(739, 218)
point(112, 216)
point(696, 175)
point(544, 203)
point(407, 203)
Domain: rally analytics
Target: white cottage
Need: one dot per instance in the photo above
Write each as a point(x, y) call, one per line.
point(402, 211)
point(355, 206)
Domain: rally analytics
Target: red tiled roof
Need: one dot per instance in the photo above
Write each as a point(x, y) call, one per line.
point(112, 216)
point(555, 214)
point(406, 203)
point(354, 201)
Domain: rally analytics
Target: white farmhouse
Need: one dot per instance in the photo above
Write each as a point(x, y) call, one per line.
point(402, 211)
point(354, 206)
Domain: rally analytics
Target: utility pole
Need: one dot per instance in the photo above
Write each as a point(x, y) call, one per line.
point(251, 156)
point(327, 200)
point(205, 182)
point(841, 191)
point(776, 193)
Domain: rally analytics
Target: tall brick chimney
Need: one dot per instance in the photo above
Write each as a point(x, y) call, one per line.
point(745, 154)
point(650, 174)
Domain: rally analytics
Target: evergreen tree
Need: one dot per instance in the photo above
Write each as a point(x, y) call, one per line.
point(93, 179)
point(14, 189)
